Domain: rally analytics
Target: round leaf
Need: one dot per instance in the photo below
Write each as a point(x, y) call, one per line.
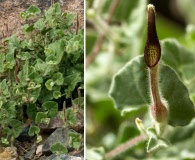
point(130, 90)
point(51, 107)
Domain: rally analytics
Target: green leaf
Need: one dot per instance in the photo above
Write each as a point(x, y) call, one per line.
point(32, 110)
point(17, 127)
point(4, 88)
point(34, 76)
point(130, 89)
point(33, 10)
point(14, 43)
point(57, 8)
point(49, 84)
point(95, 153)
point(58, 148)
point(8, 111)
point(71, 81)
point(75, 139)
point(58, 78)
point(7, 131)
point(51, 107)
point(40, 117)
point(158, 143)
point(2, 59)
point(70, 116)
point(56, 94)
point(51, 60)
point(10, 60)
point(4, 140)
point(181, 60)
point(69, 18)
point(40, 24)
point(39, 139)
point(178, 57)
point(56, 50)
point(152, 132)
point(33, 130)
point(23, 74)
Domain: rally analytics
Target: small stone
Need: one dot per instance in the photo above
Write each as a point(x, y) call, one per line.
point(39, 150)
point(59, 135)
point(8, 153)
point(54, 123)
point(31, 153)
point(64, 157)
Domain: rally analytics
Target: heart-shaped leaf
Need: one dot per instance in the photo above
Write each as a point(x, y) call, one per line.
point(130, 89)
point(33, 130)
point(51, 107)
point(154, 144)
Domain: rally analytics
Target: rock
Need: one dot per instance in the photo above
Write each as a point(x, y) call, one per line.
point(79, 153)
point(64, 157)
point(57, 122)
point(54, 123)
point(31, 153)
point(79, 126)
point(24, 137)
point(59, 135)
point(39, 150)
point(9, 153)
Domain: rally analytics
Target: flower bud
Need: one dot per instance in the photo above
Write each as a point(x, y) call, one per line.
point(152, 50)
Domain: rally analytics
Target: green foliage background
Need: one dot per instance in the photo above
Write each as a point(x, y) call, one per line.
point(125, 39)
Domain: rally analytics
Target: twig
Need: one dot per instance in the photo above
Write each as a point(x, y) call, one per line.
point(118, 150)
point(77, 24)
point(79, 98)
point(101, 37)
point(64, 111)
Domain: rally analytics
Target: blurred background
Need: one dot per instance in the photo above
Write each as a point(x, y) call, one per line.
point(120, 26)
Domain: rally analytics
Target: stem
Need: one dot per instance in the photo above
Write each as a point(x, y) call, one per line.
point(101, 37)
point(79, 97)
point(158, 110)
point(154, 84)
point(123, 147)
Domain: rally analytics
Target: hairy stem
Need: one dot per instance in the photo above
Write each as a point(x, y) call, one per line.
point(154, 84)
point(122, 148)
point(158, 110)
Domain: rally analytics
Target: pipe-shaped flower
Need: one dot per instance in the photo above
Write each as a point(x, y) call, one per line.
point(152, 50)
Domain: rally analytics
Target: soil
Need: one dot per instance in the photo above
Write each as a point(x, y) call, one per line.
point(10, 21)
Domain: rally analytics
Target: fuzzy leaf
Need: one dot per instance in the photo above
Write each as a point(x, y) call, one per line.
point(58, 78)
point(40, 117)
point(71, 81)
point(51, 107)
point(32, 110)
point(55, 51)
point(130, 89)
point(2, 59)
point(154, 144)
point(33, 130)
point(181, 60)
point(40, 24)
point(70, 116)
point(58, 149)
point(34, 76)
point(17, 127)
point(49, 84)
point(56, 94)
point(75, 139)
